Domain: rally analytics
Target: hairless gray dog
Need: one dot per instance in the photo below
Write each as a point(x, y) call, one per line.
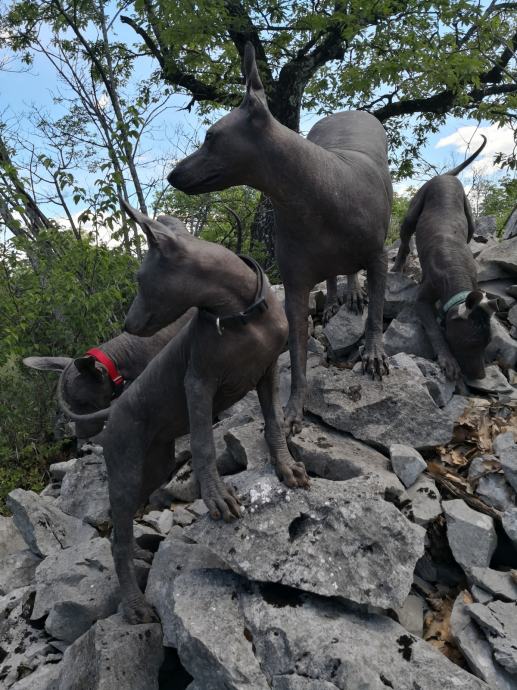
point(229, 347)
point(332, 197)
point(440, 215)
point(90, 382)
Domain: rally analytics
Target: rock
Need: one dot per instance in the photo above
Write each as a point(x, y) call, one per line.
point(503, 442)
point(338, 539)
point(499, 622)
point(471, 535)
point(337, 456)
point(502, 348)
point(175, 558)
point(456, 407)
point(11, 540)
point(498, 261)
point(17, 570)
point(261, 636)
point(510, 524)
point(45, 527)
point(476, 649)
point(411, 615)
point(425, 501)
point(397, 409)
point(440, 388)
point(508, 458)
point(494, 382)
point(401, 290)
point(248, 446)
point(75, 588)
point(182, 517)
point(510, 228)
point(407, 463)
point(344, 330)
point(495, 491)
point(482, 465)
point(45, 677)
point(114, 654)
point(59, 469)
point(406, 334)
point(84, 491)
point(160, 520)
point(501, 585)
point(480, 594)
point(486, 226)
point(284, 374)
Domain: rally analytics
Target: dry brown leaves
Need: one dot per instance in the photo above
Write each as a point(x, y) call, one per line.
point(437, 627)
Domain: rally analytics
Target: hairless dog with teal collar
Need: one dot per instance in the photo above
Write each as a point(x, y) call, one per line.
point(440, 216)
point(332, 198)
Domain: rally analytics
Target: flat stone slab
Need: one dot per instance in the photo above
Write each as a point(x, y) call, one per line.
point(425, 501)
point(45, 527)
point(114, 655)
point(337, 539)
point(11, 540)
point(258, 637)
point(471, 535)
point(344, 330)
point(510, 524)
point(499, 622)
point(500, 584)
point(84, 491)
point(406, 334)
point(407, 463)
point(493, 382)
point(17, 570)
point(397, 409)
point(503, 255)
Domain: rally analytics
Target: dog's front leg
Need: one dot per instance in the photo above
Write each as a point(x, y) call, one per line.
point(427, 316)
point(374, 361)
point(331, 300)
point(297, 310)
point(291, 472)
point(219, 499)
point(355, 296)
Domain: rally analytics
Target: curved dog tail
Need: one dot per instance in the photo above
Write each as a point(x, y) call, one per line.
point(455, 171)
point(100, 415)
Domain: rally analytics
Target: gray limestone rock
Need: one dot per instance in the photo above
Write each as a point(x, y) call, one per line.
point(493, 382)
point(175, 558)
point(84, 491)
point(344, 330)
point(407, 463)
point(502, 348)
point(333, 455)
point(401, 290)
point(338, 539)
point(17, 570)
point(502, 257)
point(512, 315)
point(397, 409)
point(76, 587)
point(425, 501)
point(471, 535)
point(494, 490)
point(263, 636)
point(45, 527)
point(481, 595)
point(11, 540)
point(45, 677)
point(114, 655)
point(59, 469)
point(160, 520)
point(508, 458)
point(440, 388)
point(500, 584)
point(476, 649)
point(510, 524)
point(411, 615)
point(499, 622)
point(406, 334)
point(247, 445)
point(486, 226)
point(503, 442)
point(510, 229)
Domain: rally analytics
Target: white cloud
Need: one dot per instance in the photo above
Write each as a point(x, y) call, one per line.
point(468, 138)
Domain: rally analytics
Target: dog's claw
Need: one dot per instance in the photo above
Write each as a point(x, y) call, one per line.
point(329, 311)
point(222, 501)
point(375, 363)
point(355, 300)
point(293, 474)
point(293, 415)
point(140, 611)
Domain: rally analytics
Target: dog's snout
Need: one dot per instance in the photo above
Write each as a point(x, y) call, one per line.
point(171, 177)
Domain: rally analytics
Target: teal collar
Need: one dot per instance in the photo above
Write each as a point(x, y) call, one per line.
point(459, 298)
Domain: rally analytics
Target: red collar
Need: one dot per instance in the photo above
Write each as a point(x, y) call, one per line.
point(113, 372)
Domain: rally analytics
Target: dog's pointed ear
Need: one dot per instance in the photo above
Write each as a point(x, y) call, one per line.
point(56, 364)
point(474, 299)
point(173, 223)
point(158, 234)
point(87, 365)
point(255, 100)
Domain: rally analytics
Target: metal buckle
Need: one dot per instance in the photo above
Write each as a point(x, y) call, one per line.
point(220, 329)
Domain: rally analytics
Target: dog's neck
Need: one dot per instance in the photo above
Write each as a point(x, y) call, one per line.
point(231, 292)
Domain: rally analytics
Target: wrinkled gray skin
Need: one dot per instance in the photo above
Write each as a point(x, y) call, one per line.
point(440, 216)
point(196, 376)
point(85, 383)
point(332, 198)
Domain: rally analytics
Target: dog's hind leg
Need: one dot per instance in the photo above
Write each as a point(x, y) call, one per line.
point(124, 462)
point(331, 300)
point(355, 296)
point(219, 499)
point(291, 472)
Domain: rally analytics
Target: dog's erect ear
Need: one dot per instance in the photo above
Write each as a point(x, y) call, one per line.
point(477, 299)
point(87, 365)
point(255, 100)
point(174, 224)
point(158, 234)
point(474, 299)
point(56, 364)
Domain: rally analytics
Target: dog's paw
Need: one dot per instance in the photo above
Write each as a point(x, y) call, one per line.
point(293, 473)
point(222, 502)
point(374, 362)
point(450, 367)
point(138, 611)
point(330, 311)
point(355, 300)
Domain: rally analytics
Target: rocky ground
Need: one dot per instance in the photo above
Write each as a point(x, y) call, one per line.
point(395, 570)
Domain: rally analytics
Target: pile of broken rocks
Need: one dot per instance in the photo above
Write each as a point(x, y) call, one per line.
point(395, 570)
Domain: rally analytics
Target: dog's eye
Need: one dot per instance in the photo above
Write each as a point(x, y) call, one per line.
point(209, 135)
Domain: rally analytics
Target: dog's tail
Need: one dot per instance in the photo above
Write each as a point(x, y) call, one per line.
point(90, 417)
point(456, 171)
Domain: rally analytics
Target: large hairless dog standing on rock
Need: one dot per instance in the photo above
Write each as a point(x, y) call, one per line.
point(332, 198)
point(440, 217)
point(230, 347)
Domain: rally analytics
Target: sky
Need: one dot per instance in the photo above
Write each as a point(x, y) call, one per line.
point(20, 90)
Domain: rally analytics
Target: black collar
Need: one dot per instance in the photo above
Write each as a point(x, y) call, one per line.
point(258, 306)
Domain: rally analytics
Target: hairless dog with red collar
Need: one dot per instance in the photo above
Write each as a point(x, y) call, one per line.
point(230, 347)
point(332, 198)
